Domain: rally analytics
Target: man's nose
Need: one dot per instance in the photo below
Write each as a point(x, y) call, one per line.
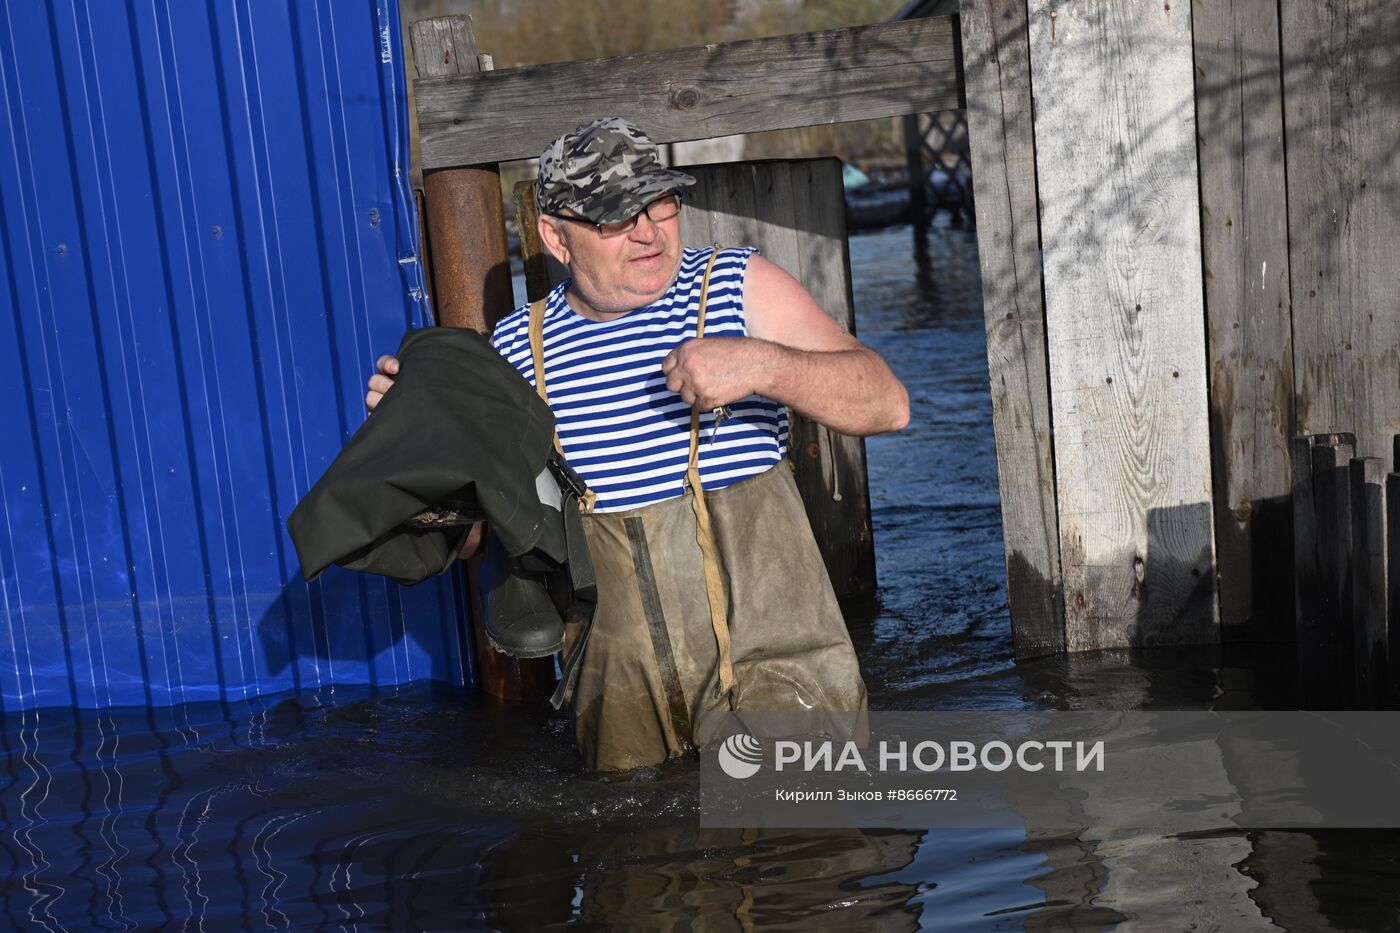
point(645, 231)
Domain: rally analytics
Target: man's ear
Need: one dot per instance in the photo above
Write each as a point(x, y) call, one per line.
point(553, 238)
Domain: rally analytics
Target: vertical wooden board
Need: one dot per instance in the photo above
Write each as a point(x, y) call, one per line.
point(695, 217)
point(835, 487)
point(732, 206)
point(1342, 113)
point(776, 232)
point(1309, 634)
point(1120, 222)
point(1392, 553)
point(1332, 455)
point(444, 46)
point(1368, 579)
point(997, 66)
point(532, 251)
point(542, 270)
point(1244, 243)
point(819, 211)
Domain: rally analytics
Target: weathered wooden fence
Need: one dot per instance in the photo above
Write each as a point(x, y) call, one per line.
point(1175, 286)
point(1346, 513)
point(1152, 189)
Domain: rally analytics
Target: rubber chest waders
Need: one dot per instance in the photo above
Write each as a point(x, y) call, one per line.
point(708, 602)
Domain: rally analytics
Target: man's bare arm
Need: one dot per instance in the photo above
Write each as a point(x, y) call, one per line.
point(795, 354)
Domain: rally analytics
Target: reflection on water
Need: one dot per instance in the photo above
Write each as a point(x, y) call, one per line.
point(425, 809)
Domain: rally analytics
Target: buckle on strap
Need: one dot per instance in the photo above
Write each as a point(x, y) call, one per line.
point(567, 478)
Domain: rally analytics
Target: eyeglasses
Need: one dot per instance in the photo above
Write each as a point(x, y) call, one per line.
point(662, 209)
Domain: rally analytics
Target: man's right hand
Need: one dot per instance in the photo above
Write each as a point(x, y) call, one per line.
point(382, 381)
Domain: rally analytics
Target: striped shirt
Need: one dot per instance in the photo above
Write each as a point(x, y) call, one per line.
point(625, 433)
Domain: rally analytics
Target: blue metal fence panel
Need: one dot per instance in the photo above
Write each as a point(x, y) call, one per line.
point(207, 235)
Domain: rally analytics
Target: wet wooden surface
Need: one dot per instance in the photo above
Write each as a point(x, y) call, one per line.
point(1120, 222)
point(997, 64)
point(815, 78)
point(1341, 77)
point(1244, 245)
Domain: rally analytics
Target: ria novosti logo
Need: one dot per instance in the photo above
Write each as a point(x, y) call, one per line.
point(740, 756)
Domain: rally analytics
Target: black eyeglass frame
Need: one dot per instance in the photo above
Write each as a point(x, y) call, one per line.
point(623, 227)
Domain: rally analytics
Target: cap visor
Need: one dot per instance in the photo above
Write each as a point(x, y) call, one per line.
point(633, 194)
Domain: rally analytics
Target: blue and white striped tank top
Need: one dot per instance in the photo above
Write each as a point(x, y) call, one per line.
point(624, 432)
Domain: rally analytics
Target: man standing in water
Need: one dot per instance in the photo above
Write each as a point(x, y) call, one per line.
point(669, 370)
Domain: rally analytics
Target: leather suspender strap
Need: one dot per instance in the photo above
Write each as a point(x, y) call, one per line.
point(537, 357)
point(704, 534)
point(585, 503)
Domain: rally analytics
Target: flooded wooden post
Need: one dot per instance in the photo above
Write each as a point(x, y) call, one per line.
point(471, 282)
point(1000, 131)
point(918, 174)
point(1368, 580)
point(1310, 635)
point(1244, 253)
point(1340, 110)
point(1392, 553)
point(1125, 322)
point(1323, 548)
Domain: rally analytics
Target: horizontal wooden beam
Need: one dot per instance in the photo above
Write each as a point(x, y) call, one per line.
point(835, 76)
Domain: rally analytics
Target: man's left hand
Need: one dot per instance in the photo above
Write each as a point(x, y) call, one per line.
point(712, 371)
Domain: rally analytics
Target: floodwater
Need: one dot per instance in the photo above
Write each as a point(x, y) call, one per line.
point(424, 809)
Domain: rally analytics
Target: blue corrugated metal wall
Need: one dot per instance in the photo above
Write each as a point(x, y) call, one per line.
point(208, 236)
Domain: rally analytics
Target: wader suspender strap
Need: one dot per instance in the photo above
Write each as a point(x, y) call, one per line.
point(704, 535)
point(569, 668)
point(585, 503)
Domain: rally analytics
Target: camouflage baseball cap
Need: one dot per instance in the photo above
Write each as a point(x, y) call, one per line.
point(604, 171)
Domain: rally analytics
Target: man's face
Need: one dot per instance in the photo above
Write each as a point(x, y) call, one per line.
point(616, 274)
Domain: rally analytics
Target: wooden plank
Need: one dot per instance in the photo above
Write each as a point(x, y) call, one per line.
point(1332, 498)
point(542, 270)
point(794, 212)
point(837, 491)
point(1244, 243)
point(1340, 88)
point(1392, 552)
point(1310, 630)
point(731, 203)
point(1008, 246)
point(444, 46)
point(695, 220)
point(1368, 579)
point(835, 76)
point(1116, 165)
